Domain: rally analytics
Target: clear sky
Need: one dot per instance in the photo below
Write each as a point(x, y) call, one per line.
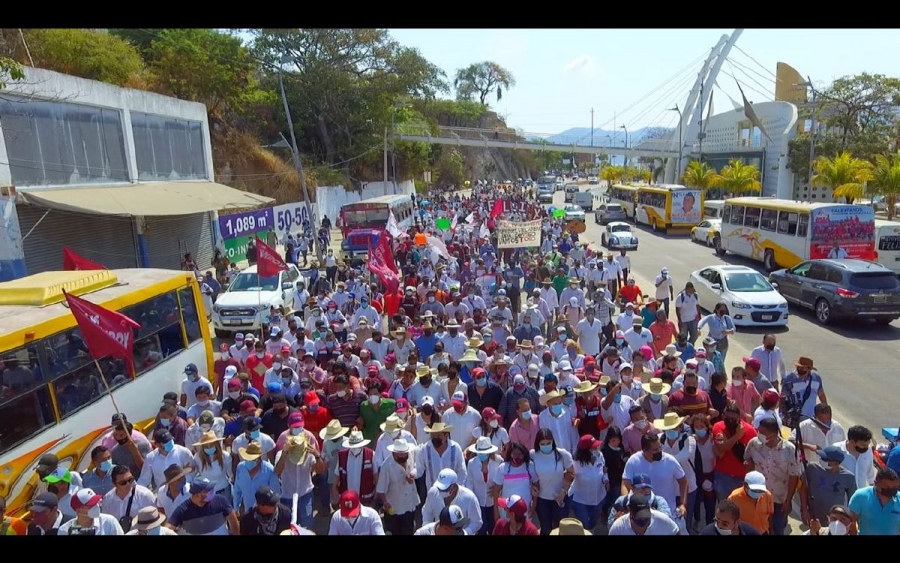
point(562, 74)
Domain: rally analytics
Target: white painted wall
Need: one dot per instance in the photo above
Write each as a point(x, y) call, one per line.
point(329, 199)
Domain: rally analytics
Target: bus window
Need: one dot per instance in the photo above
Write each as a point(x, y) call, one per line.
point(803, 226)
point(726, 214)
point(189, 314)
point(751, 218)
point(82, 386)
point(737, 215)
point(769, 220)
point(147, 353)
point(25, 404)
point(159, 316)
point(787, 223)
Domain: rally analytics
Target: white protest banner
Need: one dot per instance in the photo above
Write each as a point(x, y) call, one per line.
point(289, 218)
point(519, 235)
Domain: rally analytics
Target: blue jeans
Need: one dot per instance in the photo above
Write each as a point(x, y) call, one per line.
point(779, 519)
point(549, 514)
point(487, 521)
point(724, 485)
point(587, 514)
point(304, 508)
point(689, 515)
point(324, 490)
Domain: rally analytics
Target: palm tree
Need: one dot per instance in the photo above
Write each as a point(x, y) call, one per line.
point(886, 181)
point(844, 174)
point(700, 175)
point(611, 174)
point(629, 174)
point(739, 178)
point(645, 175)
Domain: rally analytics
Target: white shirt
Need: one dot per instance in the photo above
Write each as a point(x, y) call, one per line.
point(218, 474)
point(550, 471)
point(664, 474)
point(564, 433)
point(454, 345)
point(625, 322)
point(116, 506)
point(617, 413)
point(761, 414)
point(167, 504)
point(476, 482)
point(637, 340)
point(662, 290)
point(863, 467)
point(588, 487)
point(464, 499)
point(660, 525)
point(156, 463)
point(193, 434)
point(163, 531)
point(685, 457)
point(385, 439)
point(368, 523)
point(772, 362)
point(589, 336)
point(429, 462)
point(688, 305)
point(266, 443)
point(611, 270)
point(428, 530)
point(189, 387)
point(397, 490)
point(378, 349)
point(298, 478)
point(105, 525)
point(500, 437)
point(623, 261)
point(463, 424)
point(814, 436)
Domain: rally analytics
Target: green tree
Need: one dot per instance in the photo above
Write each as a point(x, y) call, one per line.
point(885, 181)
point(450, 167)
point(700, 175)
point(86, 53)
point(844, 174)
point(206, 66)
point(479, 80)
point(141, 39)
point(10, 70)
point(739, 178)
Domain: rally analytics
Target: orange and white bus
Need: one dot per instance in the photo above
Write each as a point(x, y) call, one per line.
point(51, 397)
point(374, 213)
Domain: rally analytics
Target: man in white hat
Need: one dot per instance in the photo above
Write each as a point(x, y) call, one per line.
point(355, 470)
point(396, 489)
point(481, 473)
point(447, 491)
point(439, 453)
point(454, 342)
point(392, 429)
point(296, 465)
point(149, 522)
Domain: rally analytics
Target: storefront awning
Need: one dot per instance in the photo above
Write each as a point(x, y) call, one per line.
point(152, 199)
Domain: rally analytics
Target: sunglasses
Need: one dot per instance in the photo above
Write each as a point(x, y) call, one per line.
point(125, 482)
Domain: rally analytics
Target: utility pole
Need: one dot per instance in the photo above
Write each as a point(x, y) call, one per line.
point(592, 127)
point(812, 130)
point(680, 143)
point(700, 135)
point(385, 157)
point(295, 154)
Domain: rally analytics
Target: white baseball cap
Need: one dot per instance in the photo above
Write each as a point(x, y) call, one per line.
point(446, 479)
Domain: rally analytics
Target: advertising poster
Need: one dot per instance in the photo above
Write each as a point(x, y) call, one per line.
point(686, 207)
point(847, 227)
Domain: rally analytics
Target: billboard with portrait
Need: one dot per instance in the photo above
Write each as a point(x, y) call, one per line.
point(686, 208)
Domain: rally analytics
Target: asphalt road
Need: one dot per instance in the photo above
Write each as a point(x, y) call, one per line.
point(856, 360)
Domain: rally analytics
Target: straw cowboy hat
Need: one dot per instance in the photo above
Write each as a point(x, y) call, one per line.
point(805, 362)
point(471, 355)
point(585, 387)
point(422, 371)
point(438, 427)
point(428, 315)
point(546, 281)
point(174, 473)
point(604, 379)
point(656, 386)
point(297, 449)
point(570, 527)
point(355, 440)
point(148, 518)
point(483, 446)
point(475, 341)
point(392, 423)
point(400, 446)
point(669, 421)
point(451, 324)
point(526, 345)
point(252, 452)
point(333, 431)
point(207, 438)
point(399, 331)
point(547, 397)
point(672, 351)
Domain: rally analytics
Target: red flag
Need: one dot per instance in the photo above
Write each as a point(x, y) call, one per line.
point(268, 262)
point(377, 266)
point(105, 332)
point(73, 261)
point(497, 210)
point(383, 254)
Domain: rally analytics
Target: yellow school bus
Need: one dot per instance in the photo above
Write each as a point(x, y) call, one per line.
point(51, 397)
point(669, 207)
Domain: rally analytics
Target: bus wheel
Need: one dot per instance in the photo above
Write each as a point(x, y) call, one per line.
point(769, 261)
point(717, 242)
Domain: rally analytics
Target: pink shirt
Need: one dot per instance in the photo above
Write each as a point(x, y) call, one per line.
point(524, 436)
point(109, 442)
point(743, 396)
point(631, 436)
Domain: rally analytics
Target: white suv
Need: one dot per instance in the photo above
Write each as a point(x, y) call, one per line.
point(246, 302)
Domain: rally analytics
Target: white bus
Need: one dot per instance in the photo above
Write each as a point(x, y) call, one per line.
point(782, 233)
point(712, 208)
point(887, 244)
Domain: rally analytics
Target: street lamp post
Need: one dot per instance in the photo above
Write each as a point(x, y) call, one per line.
point(680, 143)
point(295, 154)
point(812, 128)
point(626, 144)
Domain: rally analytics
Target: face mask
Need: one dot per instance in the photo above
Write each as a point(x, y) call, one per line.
point(329, 344)
point(106, 465)
point(373, 399)
point(546, 448)
point(437, 442)
point(701, 432)
point(561, 337)
point(276, 366)
point(723, 532)
point(627, 378)
point(615, 448)
point(487, 338)
point(402, 415)
point(556, 409)
point(431, 299)
point(210, 451)
point(165, 422)
point(342, 393)
point(205, 427)
point(260, 355)
point(737, 382)
point(690, 390)
point(731, 425)
point(309, 367)
point(254, 435)
point(618, 398)
point(94, 511)
point(655, 398)
point(701, 361)
point(494, 424)
point(526, 415)
point(657, 456)
point(641, 424)
point(837, 528)
point(519, 388)
point(672, 434)
point(402, 460)
point(641, 522)
point(890, 493)
point(569, 401)
point(427, 410)
point(481, 382)
point(395, 434)
point(755, 495)
point(364, 304)
point(862, 450)
point(234, 394)
point(169, 446)
point(444, 494)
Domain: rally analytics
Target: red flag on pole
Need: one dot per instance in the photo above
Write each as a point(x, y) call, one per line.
point(268, 262)
point(105, 332)
point(497, 210)
point(387, 276)
point(383, 253)
point(74, 261)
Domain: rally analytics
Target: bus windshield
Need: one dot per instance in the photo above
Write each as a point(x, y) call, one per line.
point(366, 218)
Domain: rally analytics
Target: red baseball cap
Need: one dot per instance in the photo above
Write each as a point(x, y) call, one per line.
point(85, 498)
point(752, 363)
point(488, 414)
point(478, 373)
point(350, 504)
point(247, 406)
point(372, 370)
point(311, 398)
point(295, 420)
point(771, 396)
point(286, 350)
point(513, 504)
point(402, 405)
point(234, 383)
point(588, 442)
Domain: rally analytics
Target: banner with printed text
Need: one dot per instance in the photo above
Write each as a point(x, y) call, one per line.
point(519, 235)
point(847, 228)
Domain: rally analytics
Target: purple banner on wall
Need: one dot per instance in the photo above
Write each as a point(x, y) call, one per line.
point(244, 224)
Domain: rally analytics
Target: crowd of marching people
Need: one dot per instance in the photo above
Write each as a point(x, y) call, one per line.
point(487, 391)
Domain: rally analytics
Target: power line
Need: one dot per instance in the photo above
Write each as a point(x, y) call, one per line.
point(775, 76)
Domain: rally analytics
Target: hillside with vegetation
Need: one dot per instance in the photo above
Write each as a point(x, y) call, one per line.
point(345, 88)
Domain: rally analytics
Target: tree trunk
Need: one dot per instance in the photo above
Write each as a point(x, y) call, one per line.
point(325, 138)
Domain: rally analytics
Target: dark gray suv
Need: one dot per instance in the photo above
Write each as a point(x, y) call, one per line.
point(836, 289)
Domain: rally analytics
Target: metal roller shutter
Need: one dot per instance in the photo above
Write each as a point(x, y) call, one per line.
point(106, 239)
point(170, 238)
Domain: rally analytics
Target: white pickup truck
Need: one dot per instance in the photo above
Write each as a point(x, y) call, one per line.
point(246, 302)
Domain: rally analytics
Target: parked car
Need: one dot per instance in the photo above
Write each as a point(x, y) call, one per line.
point(837, 289)
point(609, 212)
point(571, 190)
point(618, 235)
point(751, 299)
point(242, 307)
point(593, 180)
point(574, 213)
point(560, 185)
point(585, 200)
point(706, 230)
point(545, 194)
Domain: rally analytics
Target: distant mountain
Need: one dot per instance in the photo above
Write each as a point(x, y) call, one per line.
point(604, 138)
